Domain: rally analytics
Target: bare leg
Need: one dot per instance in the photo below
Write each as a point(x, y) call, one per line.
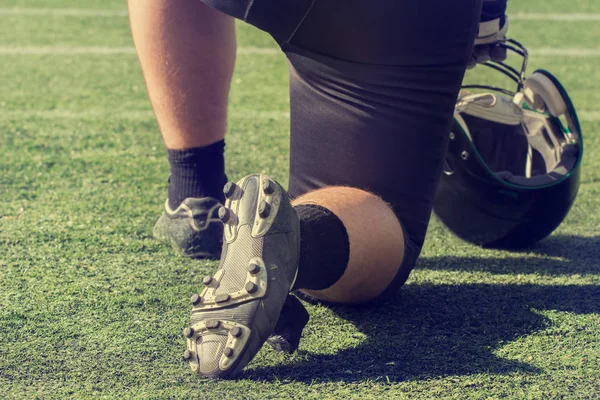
point(376, 243)
point(187, 53)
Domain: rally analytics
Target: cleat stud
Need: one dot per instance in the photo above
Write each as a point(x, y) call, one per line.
point(253, 268)
point(207, 280)
point(228, 352)
point(268, 187)
point(188, 332)
point(251, 287)
point(195, 300)
point(224, 214)
point(229, 189)
point(213, 324)
point(264, 209)
point(236, 332)
point(187, 355)
point(222, 298)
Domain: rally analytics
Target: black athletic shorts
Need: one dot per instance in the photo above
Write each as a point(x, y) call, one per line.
point(373, 85)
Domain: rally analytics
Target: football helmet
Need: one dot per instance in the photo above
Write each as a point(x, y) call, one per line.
point(514, 159)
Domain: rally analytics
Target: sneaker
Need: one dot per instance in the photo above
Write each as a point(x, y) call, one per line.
point(241, 303)
point(193, 229)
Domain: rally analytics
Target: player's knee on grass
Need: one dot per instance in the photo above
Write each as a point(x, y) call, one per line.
point(376, 243)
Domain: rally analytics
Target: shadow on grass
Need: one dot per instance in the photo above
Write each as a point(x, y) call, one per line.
point(438, 330)
point(578, 249)
point(569, 255)
point(431, 331)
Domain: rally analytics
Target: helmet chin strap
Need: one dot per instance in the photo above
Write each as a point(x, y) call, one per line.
point(538, 91)
point(529, 158)
point(513, 165)
point(495, 108)
point(492, 107)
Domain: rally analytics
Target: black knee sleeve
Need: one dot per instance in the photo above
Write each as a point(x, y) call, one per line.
point(324, 248)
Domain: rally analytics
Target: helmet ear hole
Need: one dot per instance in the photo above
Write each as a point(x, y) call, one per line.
point(541, 94)
point(533, 100)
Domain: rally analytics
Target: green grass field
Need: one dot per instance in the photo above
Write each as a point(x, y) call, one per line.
point(92, 306)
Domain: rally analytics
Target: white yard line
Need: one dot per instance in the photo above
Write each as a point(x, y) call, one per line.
point(565, 52)
point(566, 17)
point(584, 115)
point(67, 114)
point(104, 50)
point(85, 12)
point(126, 115)
point(65, 50)
point(267, 51)
point(63, 12)
point(589, 116)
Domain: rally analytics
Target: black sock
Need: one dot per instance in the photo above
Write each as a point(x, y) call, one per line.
point(324, 248)
point(197, 172)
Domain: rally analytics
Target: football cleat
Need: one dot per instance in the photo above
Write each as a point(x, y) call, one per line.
point(288, 331)
point(193, 229)
point(239, 307)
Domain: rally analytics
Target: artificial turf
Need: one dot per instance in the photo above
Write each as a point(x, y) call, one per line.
point(92, 306)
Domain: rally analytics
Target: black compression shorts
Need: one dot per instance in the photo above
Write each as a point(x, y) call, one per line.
point(373, 85)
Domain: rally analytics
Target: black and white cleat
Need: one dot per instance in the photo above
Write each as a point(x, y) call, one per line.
point(193, 229)
point(241, 303)
point(288, 331)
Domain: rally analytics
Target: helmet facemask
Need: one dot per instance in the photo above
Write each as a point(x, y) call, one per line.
point(512, 169)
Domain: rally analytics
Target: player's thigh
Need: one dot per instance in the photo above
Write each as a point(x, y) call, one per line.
point(375, 112)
